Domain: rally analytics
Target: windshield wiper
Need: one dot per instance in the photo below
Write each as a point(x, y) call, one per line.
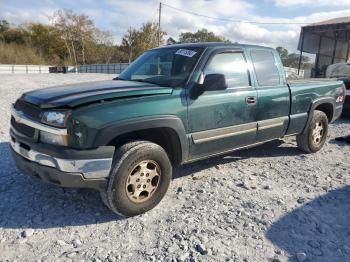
point(118, 78)
point(136, 80)
point(144, 81)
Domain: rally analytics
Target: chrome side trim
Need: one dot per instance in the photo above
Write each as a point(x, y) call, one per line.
point(271, 123)
point(299, 115)
point(229, 151)
point(271, 126)
point(21, 118)
point(293, 134)
point(219, 133)
point(89, 168)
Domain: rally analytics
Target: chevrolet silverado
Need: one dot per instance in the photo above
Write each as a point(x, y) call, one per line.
point(173, 105)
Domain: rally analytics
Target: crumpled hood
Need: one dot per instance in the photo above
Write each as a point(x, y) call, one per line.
point(76, 94)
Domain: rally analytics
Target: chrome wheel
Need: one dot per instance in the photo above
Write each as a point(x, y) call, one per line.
point(143, 181)
point(318, 133)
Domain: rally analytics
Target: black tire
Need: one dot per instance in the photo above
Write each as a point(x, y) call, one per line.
point(125, 159)
point(306, 140)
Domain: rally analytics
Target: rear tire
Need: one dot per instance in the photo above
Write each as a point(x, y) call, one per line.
point(315, 135)
point(139, 178)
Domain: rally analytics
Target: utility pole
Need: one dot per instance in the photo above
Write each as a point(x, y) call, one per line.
point(160, 15)
point(301, 51)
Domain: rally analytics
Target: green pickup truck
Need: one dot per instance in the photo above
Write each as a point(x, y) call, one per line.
point(173, 105)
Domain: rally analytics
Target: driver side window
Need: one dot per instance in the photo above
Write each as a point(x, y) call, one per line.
point(232, 65)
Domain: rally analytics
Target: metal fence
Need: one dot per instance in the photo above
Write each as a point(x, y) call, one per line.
point(100, 68)
point(293, 72)
point(116, 68)
point(24, 69)
point(37, 69)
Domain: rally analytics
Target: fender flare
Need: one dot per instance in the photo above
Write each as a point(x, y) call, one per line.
point(316, 103)
point(105, 135)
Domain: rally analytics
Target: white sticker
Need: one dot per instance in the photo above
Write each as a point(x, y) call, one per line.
point(185, 52)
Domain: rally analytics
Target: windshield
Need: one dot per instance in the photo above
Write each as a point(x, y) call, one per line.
point(165, 67)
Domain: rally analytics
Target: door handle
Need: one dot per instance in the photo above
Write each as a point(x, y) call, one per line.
point(250, 100)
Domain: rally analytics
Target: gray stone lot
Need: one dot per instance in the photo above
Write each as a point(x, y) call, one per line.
point(270, 203)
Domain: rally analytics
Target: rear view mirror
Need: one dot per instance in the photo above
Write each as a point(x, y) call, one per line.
point(214, 82)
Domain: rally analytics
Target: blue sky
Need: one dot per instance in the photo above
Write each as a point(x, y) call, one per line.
point(117, 16)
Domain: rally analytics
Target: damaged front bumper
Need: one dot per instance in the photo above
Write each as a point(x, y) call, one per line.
point(62, 166)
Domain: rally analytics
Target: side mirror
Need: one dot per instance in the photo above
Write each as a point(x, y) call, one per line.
point(214, 82)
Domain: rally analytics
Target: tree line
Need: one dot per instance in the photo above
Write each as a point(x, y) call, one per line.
point(74, 39)
point(292, 59)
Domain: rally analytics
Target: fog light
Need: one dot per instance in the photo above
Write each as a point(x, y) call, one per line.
point(53, 139)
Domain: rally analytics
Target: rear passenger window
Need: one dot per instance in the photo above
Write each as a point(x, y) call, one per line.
point(265, 67)
point(232, 65)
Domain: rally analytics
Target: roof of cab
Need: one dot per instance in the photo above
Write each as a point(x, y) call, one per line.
point(212, 44)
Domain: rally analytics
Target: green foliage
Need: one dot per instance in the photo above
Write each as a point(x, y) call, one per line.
point(4, 25)
point(15, 35)
point(283, 52)
point(170, 41)
point(47, 42)
point(77, 31)
point(202, 35)
point(73, 39)
point(137, 41)
point(292, 59)
point(19, 54)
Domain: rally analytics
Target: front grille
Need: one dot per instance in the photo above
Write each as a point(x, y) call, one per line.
point(29, 110)
point(23, 129)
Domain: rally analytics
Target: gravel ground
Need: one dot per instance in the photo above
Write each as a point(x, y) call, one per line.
point(270, 203)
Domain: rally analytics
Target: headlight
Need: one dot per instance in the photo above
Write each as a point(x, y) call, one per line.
point(56, 118)
point(53, 139)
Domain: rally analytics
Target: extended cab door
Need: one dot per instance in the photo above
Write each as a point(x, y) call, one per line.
point(222, 120)
point(273, 105)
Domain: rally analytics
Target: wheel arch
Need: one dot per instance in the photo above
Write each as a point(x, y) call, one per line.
point(166, 131)
point(327, 108)
point(324, 104)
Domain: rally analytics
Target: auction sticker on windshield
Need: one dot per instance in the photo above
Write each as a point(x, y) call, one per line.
point(185, 52)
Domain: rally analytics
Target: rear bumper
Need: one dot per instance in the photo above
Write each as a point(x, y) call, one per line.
point(62, 166)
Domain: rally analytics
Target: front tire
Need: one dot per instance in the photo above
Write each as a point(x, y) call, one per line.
point(314, 137)
point(139, 179)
